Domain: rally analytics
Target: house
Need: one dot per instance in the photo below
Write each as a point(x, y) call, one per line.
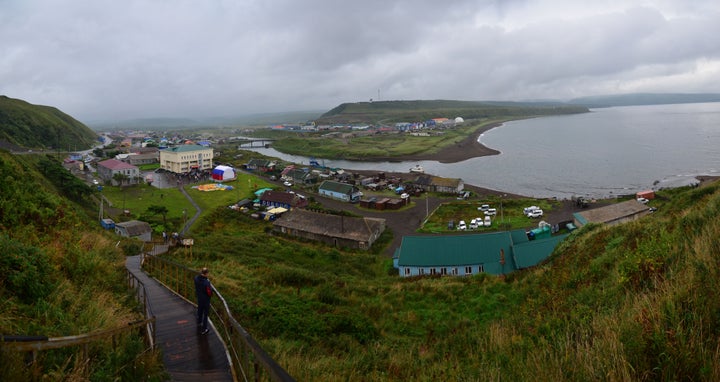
point(186, 158)
point(494, 253)
point(134, 229)
point(108, 169)
point(340, 191)
point(261, 165)
point(437, 184)
point(301, 176)
point(76, 167)
point(334, 230)
point(145, 158)
point(287, 200)
point(612, 214)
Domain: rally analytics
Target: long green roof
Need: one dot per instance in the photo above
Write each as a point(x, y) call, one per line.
point(429, 251)
point(488, 249)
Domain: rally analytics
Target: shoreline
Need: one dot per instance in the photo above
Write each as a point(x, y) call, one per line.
point(466, 149)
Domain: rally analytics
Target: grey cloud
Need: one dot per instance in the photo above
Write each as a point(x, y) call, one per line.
point(109, 59)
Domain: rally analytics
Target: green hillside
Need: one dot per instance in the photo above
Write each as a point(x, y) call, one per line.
point(635, 302)
point(31, 126)
point(61, 275)
point(422, 110)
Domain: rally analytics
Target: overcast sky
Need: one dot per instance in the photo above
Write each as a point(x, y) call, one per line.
point(124, 59)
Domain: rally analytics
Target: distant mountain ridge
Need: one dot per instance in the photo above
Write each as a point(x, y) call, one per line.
point(637, 99)
point(41, 127)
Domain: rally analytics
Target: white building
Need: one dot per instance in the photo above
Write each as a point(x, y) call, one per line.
point(186, 158)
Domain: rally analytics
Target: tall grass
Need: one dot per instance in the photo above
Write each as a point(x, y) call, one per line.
point(61, 275)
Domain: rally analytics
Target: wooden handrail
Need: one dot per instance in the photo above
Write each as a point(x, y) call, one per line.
point(247, 356)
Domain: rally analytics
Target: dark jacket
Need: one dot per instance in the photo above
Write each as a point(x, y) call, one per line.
point(203, 289)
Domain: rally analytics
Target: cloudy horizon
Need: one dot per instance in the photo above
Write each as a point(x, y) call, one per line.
point(110, 60)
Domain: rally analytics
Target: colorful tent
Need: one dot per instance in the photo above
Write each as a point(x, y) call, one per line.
point(223, 173)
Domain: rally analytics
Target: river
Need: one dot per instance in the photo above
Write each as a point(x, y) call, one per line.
point(607, 152)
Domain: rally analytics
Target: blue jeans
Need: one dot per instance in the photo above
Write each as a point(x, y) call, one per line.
point(202, 315)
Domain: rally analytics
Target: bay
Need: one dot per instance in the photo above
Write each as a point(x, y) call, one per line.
point(604, 153)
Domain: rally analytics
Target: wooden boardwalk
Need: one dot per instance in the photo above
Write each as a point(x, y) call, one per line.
point(187, 354)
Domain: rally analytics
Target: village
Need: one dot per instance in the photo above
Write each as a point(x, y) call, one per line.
point(473, 241)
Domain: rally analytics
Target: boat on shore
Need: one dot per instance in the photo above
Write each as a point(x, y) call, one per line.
point(418, 169)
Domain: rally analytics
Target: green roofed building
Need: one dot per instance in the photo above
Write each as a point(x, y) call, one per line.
point(460, 255)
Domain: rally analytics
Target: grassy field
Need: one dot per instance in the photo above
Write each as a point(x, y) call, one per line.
point(140, 198)
point(509, 214)
point(368, 146)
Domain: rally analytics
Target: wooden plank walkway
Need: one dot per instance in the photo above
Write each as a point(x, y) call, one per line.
point(187, 354)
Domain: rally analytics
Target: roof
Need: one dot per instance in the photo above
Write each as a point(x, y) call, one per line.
point(288, 198)
point(114, 164)
point(358, 229)
point(469, 249)
point(611, 212)
point(533, 252)
point(430, 180)
point(187, 148)
point(429, 251)
point(135, 227)
point(342, 188)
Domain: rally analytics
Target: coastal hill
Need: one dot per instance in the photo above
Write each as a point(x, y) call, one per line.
point(27, 126)
point(375, 112)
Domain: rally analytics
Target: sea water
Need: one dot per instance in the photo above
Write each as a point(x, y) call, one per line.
point(604, 153)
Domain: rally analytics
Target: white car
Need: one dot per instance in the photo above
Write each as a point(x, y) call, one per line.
point(642, 200)
point(535, 213)
point(461, 226)
point(527, 210)
point(491, 212)
point(474, 223)
point(487, 221)
point(484, 207)
point(287, 184)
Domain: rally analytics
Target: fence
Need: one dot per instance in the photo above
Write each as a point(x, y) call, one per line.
point(248, 358)
point(36, 344)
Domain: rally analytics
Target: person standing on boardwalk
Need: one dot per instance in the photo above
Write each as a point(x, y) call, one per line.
point(203, 290)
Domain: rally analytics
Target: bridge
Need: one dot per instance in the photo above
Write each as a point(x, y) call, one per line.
point(261, 142)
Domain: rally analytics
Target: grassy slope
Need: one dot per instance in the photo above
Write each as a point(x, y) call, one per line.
point(60, 274)
point(35, 126)
point(639, 301)
point(422, 110)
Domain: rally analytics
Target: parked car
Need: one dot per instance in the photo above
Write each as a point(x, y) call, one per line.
point(527, 210)
point(484, 207)
point(491, 212)
point(287, 183)
point(474, 223)
point(451, 224)
point(535, 213)
point(487, 222)
point(642, 200)
point(461, 226)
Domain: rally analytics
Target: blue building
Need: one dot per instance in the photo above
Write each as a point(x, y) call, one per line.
point(340, 191)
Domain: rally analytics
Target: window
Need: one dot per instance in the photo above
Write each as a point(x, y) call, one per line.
point(468, 270)
point(443, 271)
point(454, 271)
point(432, 271)
point(422, 271)
point(407, 271)
point(481, 268)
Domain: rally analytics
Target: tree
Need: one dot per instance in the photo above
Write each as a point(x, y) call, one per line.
point(156, 209)
point(120, 178)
